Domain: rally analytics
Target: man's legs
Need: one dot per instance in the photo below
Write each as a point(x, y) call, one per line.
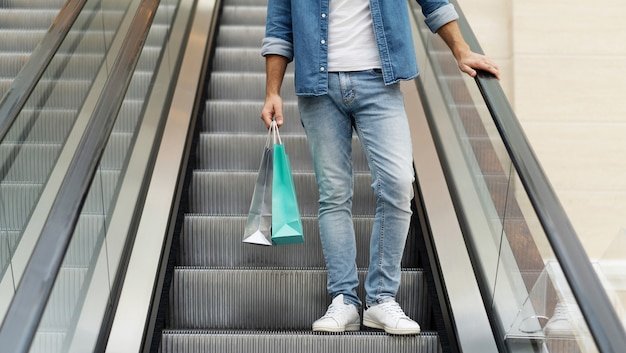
point(376, 111)
point(382, 127)
point(329, 134)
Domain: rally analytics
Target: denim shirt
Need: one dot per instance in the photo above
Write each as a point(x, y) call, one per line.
point(298, 30)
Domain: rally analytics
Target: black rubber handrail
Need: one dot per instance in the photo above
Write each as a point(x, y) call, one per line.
point(28, 77)
point(601, 318)
point(28, 304)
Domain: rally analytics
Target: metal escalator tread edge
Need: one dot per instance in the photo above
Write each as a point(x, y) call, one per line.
point(243, 152)
point(230, 193)
point(217, 241)
point(296, 341)
point(270, 298)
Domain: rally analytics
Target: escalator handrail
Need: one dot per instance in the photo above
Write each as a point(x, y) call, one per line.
point(28, 305)
point(585, 284)
point(28, 77)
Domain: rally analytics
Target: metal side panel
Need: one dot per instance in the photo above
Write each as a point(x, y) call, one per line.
point(132, 321)
point(85, 93)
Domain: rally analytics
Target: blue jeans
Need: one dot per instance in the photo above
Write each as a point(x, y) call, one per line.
point(361, 101)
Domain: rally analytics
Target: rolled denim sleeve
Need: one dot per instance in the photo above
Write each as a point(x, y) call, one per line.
point(278, 30)
point(277, 46)
point(438, 13)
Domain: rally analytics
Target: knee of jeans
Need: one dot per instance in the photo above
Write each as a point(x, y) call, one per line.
point(333, 198)
point(396, 190)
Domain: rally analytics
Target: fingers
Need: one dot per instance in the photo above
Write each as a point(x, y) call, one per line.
point(473, 61)
point(468, 70)
point(272, 110)
point(491, 67)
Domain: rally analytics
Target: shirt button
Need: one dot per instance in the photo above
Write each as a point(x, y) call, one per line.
point(323, 41)
point(322, 68)
point(323, 15)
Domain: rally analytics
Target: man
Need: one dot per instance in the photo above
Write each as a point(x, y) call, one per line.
point(349, 56)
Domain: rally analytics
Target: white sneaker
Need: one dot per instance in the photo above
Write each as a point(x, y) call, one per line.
point(389, 316)
point(339, 317)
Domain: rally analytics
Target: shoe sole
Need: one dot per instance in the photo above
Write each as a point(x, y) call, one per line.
point(392, 331)
point(349, 328)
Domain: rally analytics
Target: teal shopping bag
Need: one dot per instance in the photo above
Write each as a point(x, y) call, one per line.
point(286, 221)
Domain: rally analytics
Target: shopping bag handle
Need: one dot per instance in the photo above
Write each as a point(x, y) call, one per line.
point(274, 129)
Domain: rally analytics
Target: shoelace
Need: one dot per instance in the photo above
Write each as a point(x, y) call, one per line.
point(393, 308)
point(333, 309)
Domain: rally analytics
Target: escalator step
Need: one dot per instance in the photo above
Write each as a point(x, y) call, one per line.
point(214, 241)
point(37, 4)
point(240, 36)
point(301, 342)
point(27, 163)
point(224, 193)
point(47, 126)
point(239, 59)
point(12, 63)
point(37, 19)
point(268, 299)
point(17, 201)
point(242, 14)
point(64, 298)
point(248, 2)
point(243, 152)
point(246, 86)
point(47, 341)
point(217, 242)
point(231, 116)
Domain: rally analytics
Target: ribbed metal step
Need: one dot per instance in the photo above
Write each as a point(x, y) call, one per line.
point(240, 36)
point(214, 241)
point(236, 14)
point(205, 298)
point(243, 153)
point(189, 341)
point(46, 342)
point(243, 117)
point(63, 299)
point(246, 86)
point(27, 163)
point(14, 18)
point(35, 4)
point(247, 3)
point(85, 240)
point(238, 59)
point(17, 199)
point(224, 193)
point(49, 126)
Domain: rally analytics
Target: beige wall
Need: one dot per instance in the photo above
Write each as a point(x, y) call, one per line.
point(564, 70)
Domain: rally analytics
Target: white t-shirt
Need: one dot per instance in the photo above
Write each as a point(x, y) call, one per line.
point(351, 42)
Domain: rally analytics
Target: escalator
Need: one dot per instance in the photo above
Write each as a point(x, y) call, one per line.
point(232, 297)
point(38, 144)
point(156, 263)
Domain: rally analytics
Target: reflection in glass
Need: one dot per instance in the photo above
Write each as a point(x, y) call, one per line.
point(521, 283)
